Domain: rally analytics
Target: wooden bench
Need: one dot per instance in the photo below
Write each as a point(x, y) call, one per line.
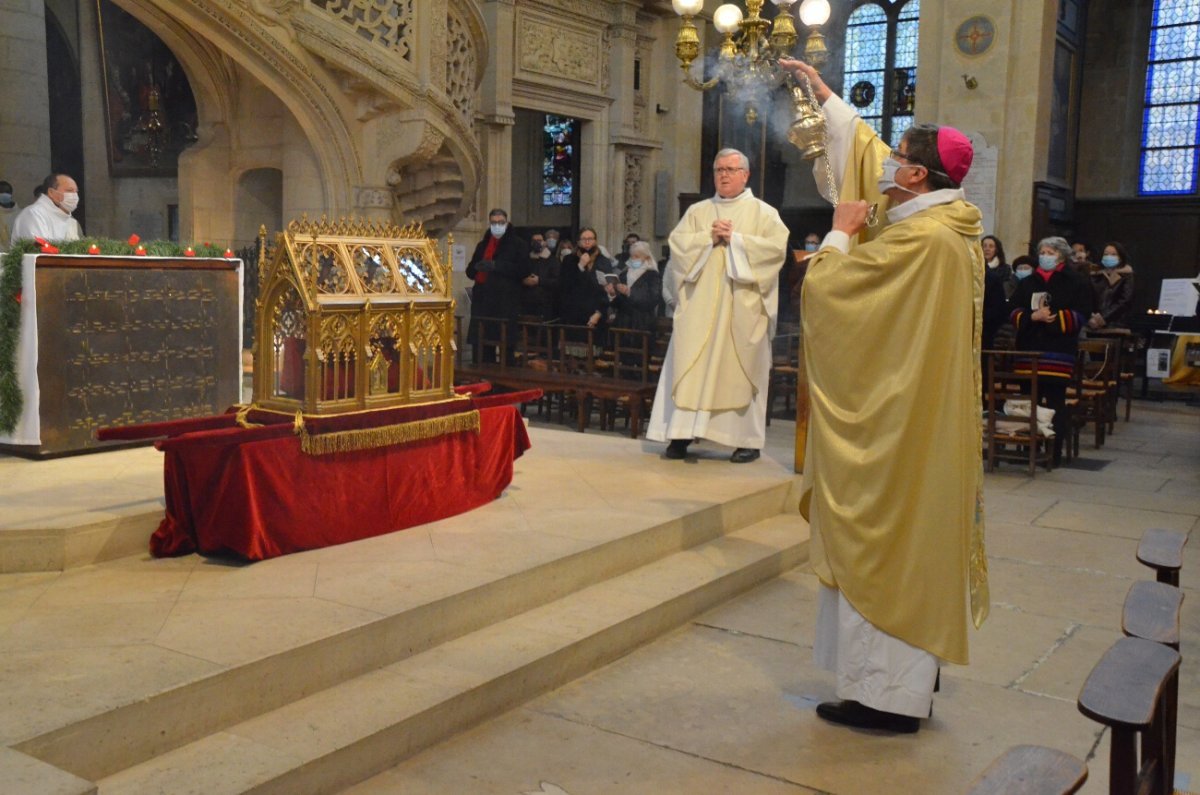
point(1031, 770)
point(1162, 550)
point(1124, 692)
point(583, 387)
point(1152, 612)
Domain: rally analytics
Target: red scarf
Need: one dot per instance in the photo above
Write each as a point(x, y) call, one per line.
point(489, 251)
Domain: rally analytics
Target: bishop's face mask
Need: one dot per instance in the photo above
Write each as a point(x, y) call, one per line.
point(887, 180)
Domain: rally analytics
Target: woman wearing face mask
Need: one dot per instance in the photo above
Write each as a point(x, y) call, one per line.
point(582, 300)
point(637, 297)
point(1112, 289)
point(1050, 308)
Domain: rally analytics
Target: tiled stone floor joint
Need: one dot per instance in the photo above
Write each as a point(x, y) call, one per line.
point(684, 752)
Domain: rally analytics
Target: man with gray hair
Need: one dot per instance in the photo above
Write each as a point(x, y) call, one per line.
point(722, 286)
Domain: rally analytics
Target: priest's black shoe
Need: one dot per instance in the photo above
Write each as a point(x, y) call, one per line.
point(860, 716)
point(677, 449)
point(744, 455)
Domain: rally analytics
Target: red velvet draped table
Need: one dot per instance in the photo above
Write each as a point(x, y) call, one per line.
point(264, 498)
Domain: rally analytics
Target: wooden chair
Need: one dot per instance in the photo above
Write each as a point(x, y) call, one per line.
point(785, 369)
point(1031, 770)
point(629, 351)
point(1093, 390)
point(662, 339)
point(490, 340)
point(1162, 550)
point(1125, 692)
point(1127, 363)
point(1013, 439)
point(536, 350)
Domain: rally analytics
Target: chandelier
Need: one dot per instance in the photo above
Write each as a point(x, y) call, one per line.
point(746, 62)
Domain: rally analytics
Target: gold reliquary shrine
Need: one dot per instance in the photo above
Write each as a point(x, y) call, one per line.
point(353, 316)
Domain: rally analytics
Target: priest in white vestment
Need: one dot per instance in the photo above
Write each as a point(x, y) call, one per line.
point(50, 216)
point(722, 286)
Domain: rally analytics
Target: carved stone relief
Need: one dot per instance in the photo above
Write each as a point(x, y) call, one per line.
point(633, 191)
point(560, 52)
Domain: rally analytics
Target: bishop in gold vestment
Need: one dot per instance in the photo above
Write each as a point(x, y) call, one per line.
point(893, 470)
point(722, 282)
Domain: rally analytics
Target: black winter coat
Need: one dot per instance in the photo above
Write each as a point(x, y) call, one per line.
point(497, 290)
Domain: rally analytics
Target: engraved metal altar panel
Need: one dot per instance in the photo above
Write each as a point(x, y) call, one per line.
point(127, 345)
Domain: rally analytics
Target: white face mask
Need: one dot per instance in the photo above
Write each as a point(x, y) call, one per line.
point(887, 180)
point(69, 202)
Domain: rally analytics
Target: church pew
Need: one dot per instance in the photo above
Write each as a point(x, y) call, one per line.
point(1162, 550)
point(1124, 691)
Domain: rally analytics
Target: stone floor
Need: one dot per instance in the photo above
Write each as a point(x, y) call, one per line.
point(726, 703)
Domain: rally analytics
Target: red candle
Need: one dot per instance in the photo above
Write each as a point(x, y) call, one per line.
point(228, 253)
point(140, 251)
point(93, 249)
point(189, 252)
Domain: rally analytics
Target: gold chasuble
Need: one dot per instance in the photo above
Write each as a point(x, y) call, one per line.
point(726, 300)
point(893, 467)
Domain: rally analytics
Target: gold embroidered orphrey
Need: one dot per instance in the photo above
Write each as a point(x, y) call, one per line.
point(352, 316)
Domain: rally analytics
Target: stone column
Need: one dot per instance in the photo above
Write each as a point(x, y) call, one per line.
point(24, 101)
point(1011, 104)
point(496, 107)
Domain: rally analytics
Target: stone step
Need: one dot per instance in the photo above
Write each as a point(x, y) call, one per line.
point(346, 733)
point(127, 734)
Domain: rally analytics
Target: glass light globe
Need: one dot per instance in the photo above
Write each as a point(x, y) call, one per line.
point(784, 3)
point(814, 12)
point(687, 8)
point(727, 18)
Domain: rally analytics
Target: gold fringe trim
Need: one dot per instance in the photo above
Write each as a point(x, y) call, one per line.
point(387, 435)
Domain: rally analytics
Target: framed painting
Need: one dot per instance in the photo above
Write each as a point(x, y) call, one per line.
point(149, 107)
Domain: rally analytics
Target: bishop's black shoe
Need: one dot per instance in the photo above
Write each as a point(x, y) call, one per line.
point(744, 455)
point(860, 716)
point(677, 449)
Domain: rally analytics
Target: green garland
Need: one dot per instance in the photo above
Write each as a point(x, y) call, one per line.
point(11, 399)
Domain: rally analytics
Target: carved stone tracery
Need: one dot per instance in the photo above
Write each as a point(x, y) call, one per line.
point(386, 23)
point(633, 191)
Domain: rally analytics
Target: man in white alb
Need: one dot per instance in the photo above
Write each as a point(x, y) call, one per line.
point(50, 216)
point(722, 285)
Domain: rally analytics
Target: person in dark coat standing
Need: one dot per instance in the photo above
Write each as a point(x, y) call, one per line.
point(499, 264)
point(1112, 289)
point(637, 296)
point(581, 299)
point(1050, 307)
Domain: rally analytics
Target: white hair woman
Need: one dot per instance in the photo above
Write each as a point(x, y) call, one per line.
point(1051, 306)
point(637, 296)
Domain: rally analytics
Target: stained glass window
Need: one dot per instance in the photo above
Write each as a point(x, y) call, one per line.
point(1171, 120)
point(880, 68)
point(558, 163)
